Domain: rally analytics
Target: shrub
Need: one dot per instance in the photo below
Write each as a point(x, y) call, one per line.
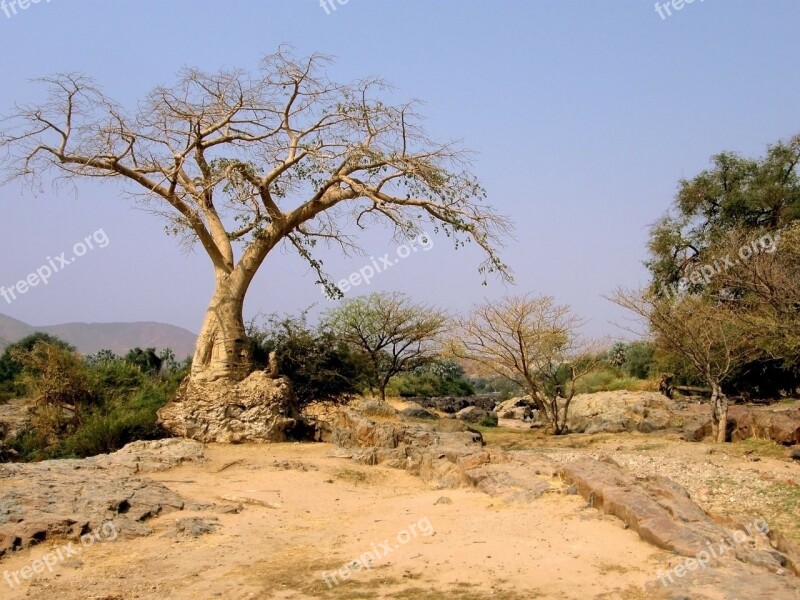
point(321, 367)
point(59, 381)
point(639, 360)
point(11, 367)
point(111, 427)
point(117, 401)
point(439, 378)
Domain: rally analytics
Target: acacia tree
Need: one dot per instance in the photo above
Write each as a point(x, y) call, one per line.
point(396, 334)
point(532, 342)
point(242, 163)
point(709, 335)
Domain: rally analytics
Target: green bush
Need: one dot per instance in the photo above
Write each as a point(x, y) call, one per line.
point(639, 360)
point(608, 380)
point(121, 422)
point(439, 378)
point(11, 367)
point(119, 404)
point(321, 367)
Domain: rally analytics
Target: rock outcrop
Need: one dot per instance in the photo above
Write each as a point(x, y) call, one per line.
point(440, 454)
point(477, 416)
point(68, 498)
point(521, 409)
point(661, 512)
point(257, 409)
point(778, 423)
point(453, 404)
point(415, 411)
point(614, 412)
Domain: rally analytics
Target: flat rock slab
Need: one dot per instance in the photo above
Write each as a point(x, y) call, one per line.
point(69, 498)
point(658, 509)
point(663, 514)
point(510, 484)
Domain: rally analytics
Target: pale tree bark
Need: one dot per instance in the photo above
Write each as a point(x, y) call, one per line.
point(719, 413)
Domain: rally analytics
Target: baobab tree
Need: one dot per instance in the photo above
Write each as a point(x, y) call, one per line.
point(242, 163)
point(532, 342)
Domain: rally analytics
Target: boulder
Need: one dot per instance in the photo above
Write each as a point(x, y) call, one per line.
point(614, 412)
point(521, 409)
point(438, 457)
point(415, 411)
point(451, 425)
point(257, 409)
point(658, 509)
point(376, 408)
point(779, 424)
point(473, 414)
point(503, 483)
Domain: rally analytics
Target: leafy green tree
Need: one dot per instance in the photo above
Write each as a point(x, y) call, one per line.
point(639, 357)
point(102, 357)
point(733, 239)
point(441, 377)
point(736, 195)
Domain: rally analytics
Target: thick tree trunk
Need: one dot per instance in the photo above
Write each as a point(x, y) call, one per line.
point(223, 400)
point(222, 351)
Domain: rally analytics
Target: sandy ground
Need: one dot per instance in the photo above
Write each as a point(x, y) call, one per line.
point(323, 512)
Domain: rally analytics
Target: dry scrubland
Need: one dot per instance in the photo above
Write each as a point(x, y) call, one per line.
point(265, 521)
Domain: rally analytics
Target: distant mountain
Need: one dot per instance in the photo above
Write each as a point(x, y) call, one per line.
point(88, 338)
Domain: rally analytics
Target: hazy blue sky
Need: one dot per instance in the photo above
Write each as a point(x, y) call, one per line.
point(583, 116)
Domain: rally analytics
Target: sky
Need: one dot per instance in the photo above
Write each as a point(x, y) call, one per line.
point(583, 116)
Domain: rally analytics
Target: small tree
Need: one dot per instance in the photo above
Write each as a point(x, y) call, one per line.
point(146, 360)
point(709, 335)
point(396, 334)
point(58, 380)
point(102, 358)
point(532, 342)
